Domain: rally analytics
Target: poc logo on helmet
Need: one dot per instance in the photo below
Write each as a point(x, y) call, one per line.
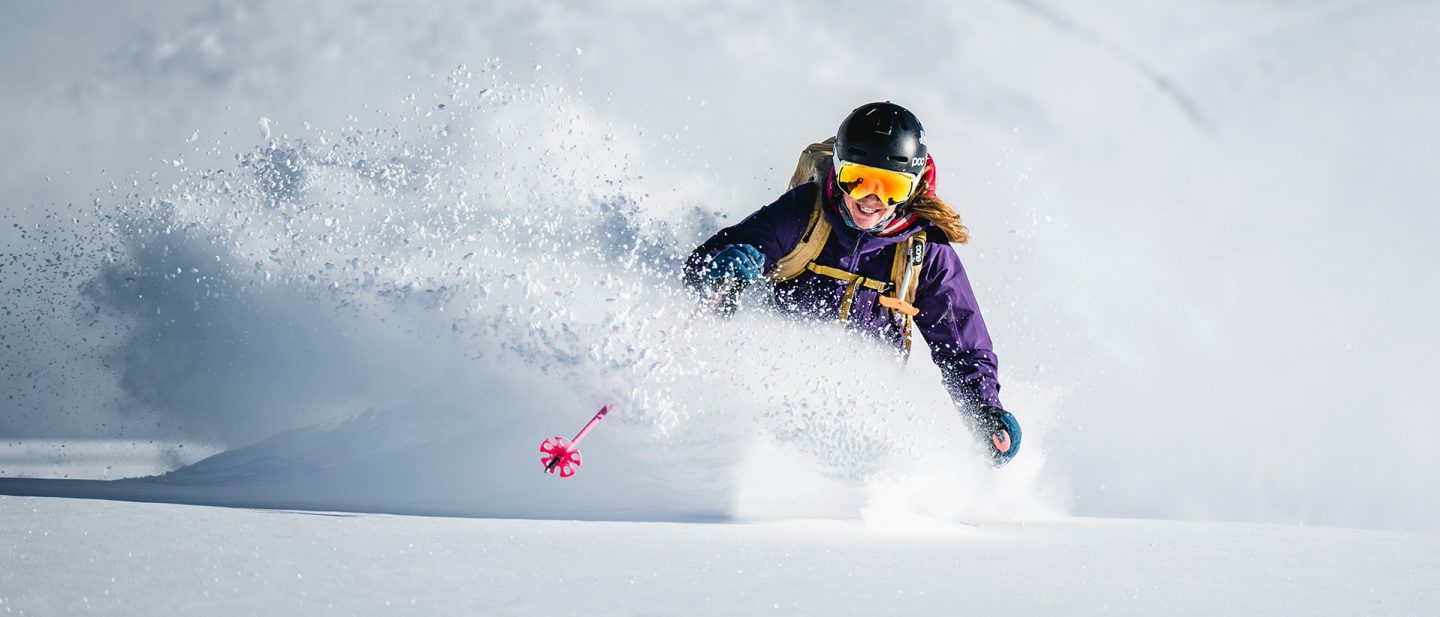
point(919, 161)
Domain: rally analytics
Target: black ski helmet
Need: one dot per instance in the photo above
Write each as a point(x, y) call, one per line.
point(883, 135)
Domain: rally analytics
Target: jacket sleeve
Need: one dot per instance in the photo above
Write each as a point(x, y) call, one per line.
point(950, 321)
point(774, 229)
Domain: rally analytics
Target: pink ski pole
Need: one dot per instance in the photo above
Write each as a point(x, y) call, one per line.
point(561, 454)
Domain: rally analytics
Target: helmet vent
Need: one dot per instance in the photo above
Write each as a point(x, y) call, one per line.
point(857, 151)
point(900, 159)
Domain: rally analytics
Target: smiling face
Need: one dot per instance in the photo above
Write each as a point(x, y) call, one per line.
point(867, 212)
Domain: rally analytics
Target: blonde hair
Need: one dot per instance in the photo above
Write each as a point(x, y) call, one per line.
point(927, 205)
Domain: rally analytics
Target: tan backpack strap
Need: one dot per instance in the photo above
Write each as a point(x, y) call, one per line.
point(848, 277)
point(855, 282)
point(911, 276)
point(814, 160)
point(817, 231)
point(905, 272)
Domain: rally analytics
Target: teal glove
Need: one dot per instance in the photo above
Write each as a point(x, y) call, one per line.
point(739, 262)
point(1000, 432)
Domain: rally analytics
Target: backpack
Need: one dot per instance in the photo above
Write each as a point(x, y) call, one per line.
point(814, 166)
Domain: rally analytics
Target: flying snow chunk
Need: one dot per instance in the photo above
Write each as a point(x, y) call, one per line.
point(264, 127)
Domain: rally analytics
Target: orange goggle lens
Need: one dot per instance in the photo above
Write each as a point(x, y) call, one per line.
point(860, 181)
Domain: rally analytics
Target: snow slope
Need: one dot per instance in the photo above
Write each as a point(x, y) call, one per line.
point(66, 556)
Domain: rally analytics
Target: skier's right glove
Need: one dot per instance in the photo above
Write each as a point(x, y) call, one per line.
point(738, 262)
point(999, 431)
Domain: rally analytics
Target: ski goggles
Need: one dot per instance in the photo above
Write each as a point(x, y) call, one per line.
point(860, 181)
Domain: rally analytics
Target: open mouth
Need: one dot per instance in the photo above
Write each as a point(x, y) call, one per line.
point(867, 211)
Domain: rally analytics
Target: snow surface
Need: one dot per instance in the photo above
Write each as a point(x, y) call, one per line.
point(68, 556)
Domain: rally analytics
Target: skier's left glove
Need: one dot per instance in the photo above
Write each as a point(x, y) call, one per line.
point(999, 431)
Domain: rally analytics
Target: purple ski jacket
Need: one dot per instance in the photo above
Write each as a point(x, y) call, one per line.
point(949, 317)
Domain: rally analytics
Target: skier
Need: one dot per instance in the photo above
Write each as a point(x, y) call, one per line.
point(862, 236)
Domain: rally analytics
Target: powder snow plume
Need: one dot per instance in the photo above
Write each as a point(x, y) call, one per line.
point(393, 315)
